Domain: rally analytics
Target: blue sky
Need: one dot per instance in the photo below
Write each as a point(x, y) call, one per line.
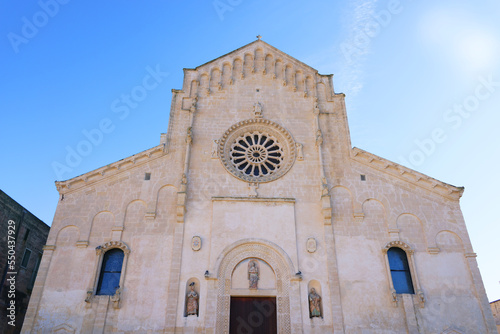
point(421, 78)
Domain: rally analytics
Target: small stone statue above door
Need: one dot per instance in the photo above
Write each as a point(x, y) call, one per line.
point(253, 274)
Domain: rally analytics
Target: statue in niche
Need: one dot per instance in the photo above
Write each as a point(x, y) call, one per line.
point(253, 274)
point(314, 304)
point(192, 301)
point(257, 110)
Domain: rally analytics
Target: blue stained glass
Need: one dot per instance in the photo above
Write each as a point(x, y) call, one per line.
point(111, 268)
point(400, 271)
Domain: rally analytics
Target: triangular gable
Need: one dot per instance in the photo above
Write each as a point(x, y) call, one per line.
point(277, 54)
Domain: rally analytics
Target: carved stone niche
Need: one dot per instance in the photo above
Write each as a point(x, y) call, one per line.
point(314, 299)
point(253, 274)
point(192, 298)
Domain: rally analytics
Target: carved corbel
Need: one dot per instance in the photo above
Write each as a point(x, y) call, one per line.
point(394, 297)
point(116, 298)
point(358, 216)
point(421, 298)
point(90, 295)
point(99, 250)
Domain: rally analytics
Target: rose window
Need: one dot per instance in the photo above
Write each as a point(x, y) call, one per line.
point(257, 150)
point(256, 154)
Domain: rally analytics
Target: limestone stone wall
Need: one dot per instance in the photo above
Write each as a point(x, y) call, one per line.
point(317, 226)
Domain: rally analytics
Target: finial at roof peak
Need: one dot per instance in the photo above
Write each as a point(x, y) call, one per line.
point(259, 37)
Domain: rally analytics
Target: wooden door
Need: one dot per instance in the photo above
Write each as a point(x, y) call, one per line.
point(253, 315)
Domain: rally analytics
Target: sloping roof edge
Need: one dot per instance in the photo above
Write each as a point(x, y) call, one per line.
point(255, 42)
point(407, 174)
point(111, 169)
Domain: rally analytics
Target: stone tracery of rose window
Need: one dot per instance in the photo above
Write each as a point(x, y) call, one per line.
point(256, 153)
point(257, 150)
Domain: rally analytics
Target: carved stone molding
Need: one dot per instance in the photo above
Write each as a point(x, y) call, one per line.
point(400, 244)
point(260, 250)
point(433, 250)
point(112, 244)
point(358, 216)
point(63, 328)
point(82, 243)
point(257, 150)
point(49, 247)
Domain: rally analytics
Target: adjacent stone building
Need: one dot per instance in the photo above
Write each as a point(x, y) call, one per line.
point(495, 309)
point(21, 241)
point(255, 214)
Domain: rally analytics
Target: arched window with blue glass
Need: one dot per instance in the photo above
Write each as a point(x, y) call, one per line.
point(111, 270)
point(400, 270)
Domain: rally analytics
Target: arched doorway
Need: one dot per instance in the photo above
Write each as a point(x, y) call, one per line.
point(266, 253)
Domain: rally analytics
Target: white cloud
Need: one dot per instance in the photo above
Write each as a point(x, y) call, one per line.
point(353, 67)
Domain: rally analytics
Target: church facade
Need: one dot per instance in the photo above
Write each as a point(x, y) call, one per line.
point(255, 214)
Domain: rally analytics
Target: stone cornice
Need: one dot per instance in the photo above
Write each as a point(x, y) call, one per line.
point(100, 174)
point(406, 174)
point(253, 199)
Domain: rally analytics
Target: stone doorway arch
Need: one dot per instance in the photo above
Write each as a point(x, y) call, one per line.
point(268, 252)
